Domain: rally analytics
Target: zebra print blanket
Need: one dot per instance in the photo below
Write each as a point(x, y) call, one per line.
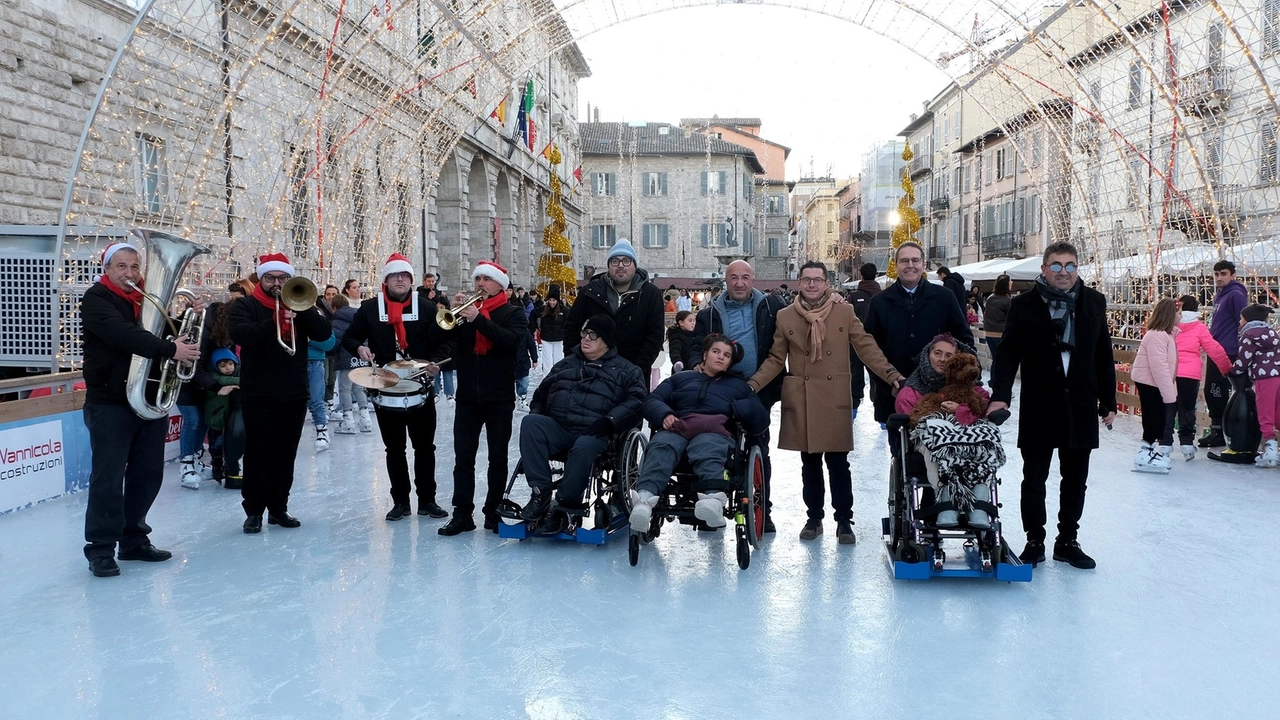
point(967, 455)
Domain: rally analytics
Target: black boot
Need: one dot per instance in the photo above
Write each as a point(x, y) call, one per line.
point(537, 505)
point(399, 511)
point(1069, 551)
point(554, 523)
point(253, 524)
point(457, 525)
point(1213, 439)
point(1033, 553)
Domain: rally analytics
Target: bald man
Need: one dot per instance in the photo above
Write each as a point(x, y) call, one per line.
point(746, 316)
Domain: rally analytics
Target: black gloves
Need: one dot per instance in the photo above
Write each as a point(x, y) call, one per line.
point(600, 428)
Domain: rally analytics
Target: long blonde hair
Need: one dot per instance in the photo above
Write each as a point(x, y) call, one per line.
point(1164, 316)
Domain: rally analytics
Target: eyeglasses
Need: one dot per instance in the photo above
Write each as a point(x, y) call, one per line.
point(275, 277)
point(590, 335)
point(621, 262)
point(811, 280)
point(910, 261)
point(1059, 267)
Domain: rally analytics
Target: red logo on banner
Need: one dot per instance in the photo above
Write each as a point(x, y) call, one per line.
point(175, 429)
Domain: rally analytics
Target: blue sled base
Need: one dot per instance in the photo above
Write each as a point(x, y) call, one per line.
point(969, 566)
point(585, 536)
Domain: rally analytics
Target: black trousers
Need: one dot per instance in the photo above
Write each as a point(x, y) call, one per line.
point(419, 424)
point(271, 434)
point(127, 467)
point(468, 418)
point(1157, 415)
point(1074, 466)
point(814, 486)
point(1217, 390)
point(1188, 394)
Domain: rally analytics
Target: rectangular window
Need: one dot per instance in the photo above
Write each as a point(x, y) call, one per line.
point(359, 218)
point(715, 235)
point(987, 169)
point(1270, 26)
point(655, 183)
point(1213, 156)
point(1135, 85)
point(746, 186)
point(153, 173)
point(988, 227)
point(748, 241)
point(606, 184)
point(831, 226)
point(714, 181)
point(1000, 163)
point(299, 203)
point(1268, 160)
point(777, 205)
point(603, 236)
point(1037, 149)
point(1137, 180)
point(965, 235)
point(775, 247)
point(1031, 217)
point(959, 172)
point(968, 177)
point(657, 235)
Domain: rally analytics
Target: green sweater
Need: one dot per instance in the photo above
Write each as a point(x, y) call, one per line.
point(217, 406)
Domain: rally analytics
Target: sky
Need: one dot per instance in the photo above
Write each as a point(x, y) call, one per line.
point(825, 88)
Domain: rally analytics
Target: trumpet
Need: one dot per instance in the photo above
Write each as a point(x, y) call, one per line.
point(449, 318)
point(297, 294)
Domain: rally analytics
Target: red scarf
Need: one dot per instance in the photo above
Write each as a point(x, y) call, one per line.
point(269, 302)
point(133, 296)
point(395, 316)
point(483, 343)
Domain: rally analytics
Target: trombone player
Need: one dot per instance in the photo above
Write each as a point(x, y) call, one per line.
point(127, 450)
point(272, 327)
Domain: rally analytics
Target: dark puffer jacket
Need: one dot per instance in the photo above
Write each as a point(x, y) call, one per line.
point(692, 392)
point(551, 322)
point(639, 318)
point(577, 392)
point(680, 344)
point(345, 360)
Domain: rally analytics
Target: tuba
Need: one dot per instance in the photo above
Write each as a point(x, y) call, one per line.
point(166, 258)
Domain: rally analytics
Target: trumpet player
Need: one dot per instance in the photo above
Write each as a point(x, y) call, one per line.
point(486, 339)
point(273, 386)
point(127, 450)
point(400, 322)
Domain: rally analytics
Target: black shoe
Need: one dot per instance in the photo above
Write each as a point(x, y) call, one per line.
point(537, 506)
point(456, 526)
point(768, 525)
point(145, 553)
point(491, 522)
point(844, 533)
point(431, 509)
point(399, 511)
point(1069, 552)
point(284, 520)
point(1213, 439)
point(1033, 553)
point(104, 567)
point(811, 530)
point(253, 524)
point(554, 523)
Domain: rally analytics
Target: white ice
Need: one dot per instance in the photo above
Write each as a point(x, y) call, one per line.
point(354, 617)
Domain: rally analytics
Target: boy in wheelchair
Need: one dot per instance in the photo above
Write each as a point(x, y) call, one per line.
point(584, 399)
point(694, 409)
point(960, 448)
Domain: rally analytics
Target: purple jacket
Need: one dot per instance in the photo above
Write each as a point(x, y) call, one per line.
point(1227, 304)
point(1259, 351)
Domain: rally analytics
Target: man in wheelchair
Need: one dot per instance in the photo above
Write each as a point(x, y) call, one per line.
point(694, 410)
point(584, 399)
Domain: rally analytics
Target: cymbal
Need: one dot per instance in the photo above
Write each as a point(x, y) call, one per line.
point(407, 364)
point(373, 378)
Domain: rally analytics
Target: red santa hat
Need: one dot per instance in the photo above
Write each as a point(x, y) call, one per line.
point(493, 271)
point(113, 248)
point(397, 263)
point(275, 262)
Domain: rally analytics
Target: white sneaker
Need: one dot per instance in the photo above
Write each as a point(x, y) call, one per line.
point(642, 504)
point(710, 508)
point(346, 424)
point(322, 438)
point(190, 476)
point(1270, 456)
point(1188, 452)
point(365, 423)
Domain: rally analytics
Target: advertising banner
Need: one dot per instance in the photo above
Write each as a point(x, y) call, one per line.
point(171, 445)
point(32, 464)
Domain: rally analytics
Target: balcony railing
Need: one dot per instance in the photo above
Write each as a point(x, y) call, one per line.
point(1004, 244)
point(921, 163)
point(1192, 212)
point(1087, 135)
point(940, 204)
point(1207, 90)
point(938, 252)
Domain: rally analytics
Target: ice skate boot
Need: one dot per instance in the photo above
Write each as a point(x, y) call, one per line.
point(947, 518)
point(190, 475)
point(1163, 459)
point(710, 508)
point(1270, 456)
point(1148, 460)
point(365, 422)
point(1188, 452)
point(642, 504)
point(322, 438)
point(1214, 438)
point(977, 518)
point(346, 424)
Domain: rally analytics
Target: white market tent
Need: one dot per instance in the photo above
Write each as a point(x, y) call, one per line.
point(1015, 268)
point(1190, 260)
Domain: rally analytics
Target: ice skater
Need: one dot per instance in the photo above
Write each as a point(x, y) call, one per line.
point(1155, 373)
point(1259, 348)
point(1192, 339)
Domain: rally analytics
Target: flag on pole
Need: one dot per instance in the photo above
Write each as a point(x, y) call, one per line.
point(521, 129)
point(528, 97)
point(500, 113)
point(577, 174)
point(533, 133)
point(546, 152)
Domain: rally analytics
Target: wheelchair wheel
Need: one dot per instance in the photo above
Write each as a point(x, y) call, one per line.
point(744, 549)
point(756, 505)
point(628, 469)
point(600, 516)
point(909, 552)
point(633, 549)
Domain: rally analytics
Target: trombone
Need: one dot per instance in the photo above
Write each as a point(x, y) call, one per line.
point(297, 294)
point(449, 318)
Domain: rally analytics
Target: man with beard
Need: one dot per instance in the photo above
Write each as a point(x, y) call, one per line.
point(625, 294)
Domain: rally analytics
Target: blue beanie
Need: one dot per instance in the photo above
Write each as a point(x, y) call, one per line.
point(224, 354)
point(623, 248)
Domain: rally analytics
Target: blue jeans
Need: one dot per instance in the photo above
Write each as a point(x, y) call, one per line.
point(446, 377)
point(193, 430)
point(522, 386)
point(707, 453)
point(318, 402)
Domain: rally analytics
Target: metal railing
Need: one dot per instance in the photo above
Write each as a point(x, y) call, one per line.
point(1003, 244)
point(1087, 135)
point(940, 204)
point(1192, 212)
point(1207, 90)
point(921, 163)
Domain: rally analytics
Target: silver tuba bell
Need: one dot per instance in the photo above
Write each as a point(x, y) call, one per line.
point(166, 257)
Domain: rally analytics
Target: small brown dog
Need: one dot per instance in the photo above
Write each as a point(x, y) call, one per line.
point(961, 372)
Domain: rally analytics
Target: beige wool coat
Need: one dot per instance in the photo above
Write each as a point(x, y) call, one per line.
point(816, 396)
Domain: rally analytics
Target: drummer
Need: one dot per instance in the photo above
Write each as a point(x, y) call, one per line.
point(400, 328)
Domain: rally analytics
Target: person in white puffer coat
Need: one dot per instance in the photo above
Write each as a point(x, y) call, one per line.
point(1155, 372)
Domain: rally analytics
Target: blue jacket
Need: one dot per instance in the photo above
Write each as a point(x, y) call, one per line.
point(1227, 305)
point(317, 350)
point(691, 392)
point(577, 392)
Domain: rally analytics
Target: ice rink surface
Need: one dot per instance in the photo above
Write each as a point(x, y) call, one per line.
point(354, 617)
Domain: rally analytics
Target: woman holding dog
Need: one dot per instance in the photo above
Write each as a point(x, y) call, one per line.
point(812, 342)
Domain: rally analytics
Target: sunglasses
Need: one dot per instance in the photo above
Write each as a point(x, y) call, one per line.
point(1059, 267)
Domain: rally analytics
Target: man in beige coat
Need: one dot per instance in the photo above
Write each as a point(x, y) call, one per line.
point(812, 342)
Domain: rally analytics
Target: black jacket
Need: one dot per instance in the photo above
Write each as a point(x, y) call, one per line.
point(639, 318)
point(426, 340)
point(692, 392)
point(112, 336)
point(551, 325)
point(1056, 410)
point(577, 392)
point(681, 344)
point(709, 321)
point(267, 372)
point(955, 283)
point(526, 355)
point(902, 324)
point(490, 377)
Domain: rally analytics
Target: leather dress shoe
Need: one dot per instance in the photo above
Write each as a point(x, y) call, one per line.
point(104, 566)
point(284, 520)
point(398, 512)
point(768, 525)
point(431, 509)
point(457, 525)
point(491, 522)
point(145, 553)
point(253, 524)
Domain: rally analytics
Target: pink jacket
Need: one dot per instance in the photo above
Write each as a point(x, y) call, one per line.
point(1193, 337)
point(1157, 363)
point(908, 397)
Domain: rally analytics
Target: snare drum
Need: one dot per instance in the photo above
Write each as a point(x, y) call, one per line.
point(404, 395)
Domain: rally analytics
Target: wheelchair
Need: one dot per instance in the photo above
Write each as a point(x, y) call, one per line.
point(913, 538)
point(608, 503)
point(746, 506)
